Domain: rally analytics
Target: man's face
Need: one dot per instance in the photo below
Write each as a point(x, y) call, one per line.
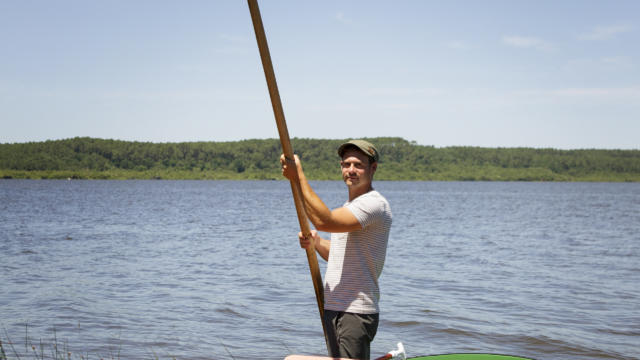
point(356, 169)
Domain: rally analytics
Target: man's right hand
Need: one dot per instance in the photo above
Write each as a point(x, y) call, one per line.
point(290, 167)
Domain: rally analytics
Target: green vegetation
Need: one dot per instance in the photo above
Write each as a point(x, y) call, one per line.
point(53, 349)
point(90, 158)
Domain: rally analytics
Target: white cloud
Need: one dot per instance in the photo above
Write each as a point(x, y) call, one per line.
point(380, 91)
point(342, 18)
point(526, 42)
point(232, 44)
point(233, 38)
point(629, 94)
point(621, 93)
point(458, 45)
point(618, 60)
point(608, 61)
point(605, 32)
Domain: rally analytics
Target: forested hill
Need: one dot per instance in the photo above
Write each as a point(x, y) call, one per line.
point(258, 159)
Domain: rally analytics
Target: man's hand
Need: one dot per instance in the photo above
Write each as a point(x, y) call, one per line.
point(321, 245)
point(307, 241)
point(290, 167)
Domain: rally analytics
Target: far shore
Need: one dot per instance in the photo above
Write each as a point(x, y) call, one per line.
point(528, 175)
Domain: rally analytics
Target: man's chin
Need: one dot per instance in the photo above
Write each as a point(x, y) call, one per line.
point(350, 182)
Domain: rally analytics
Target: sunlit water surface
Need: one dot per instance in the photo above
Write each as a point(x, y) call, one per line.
point(212, 269)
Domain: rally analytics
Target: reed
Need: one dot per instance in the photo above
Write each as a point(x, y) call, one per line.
point(53, 350)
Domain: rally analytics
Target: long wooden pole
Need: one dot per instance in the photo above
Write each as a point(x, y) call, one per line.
point(287, 150)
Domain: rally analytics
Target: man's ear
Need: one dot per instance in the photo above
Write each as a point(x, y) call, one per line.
point(374, 166)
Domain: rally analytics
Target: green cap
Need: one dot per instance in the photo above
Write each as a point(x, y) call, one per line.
point(363, 145)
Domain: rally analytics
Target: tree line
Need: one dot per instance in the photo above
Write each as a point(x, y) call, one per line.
point(84, 157)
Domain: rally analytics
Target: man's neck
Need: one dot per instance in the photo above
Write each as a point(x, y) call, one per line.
point(354, 193)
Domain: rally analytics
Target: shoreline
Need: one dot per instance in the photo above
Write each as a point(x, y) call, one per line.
point(481, 176)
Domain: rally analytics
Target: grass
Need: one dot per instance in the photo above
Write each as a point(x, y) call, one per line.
point(33, 351)
point(41, 350)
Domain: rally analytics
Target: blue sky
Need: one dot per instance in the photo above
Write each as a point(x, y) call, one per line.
point(562, 74)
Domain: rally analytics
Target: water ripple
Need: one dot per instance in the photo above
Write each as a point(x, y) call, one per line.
point(186, 269)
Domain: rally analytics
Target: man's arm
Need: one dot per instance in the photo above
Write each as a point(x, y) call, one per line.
point(324, 219)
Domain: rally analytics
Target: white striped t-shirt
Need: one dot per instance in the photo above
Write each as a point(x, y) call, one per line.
point(356, 258)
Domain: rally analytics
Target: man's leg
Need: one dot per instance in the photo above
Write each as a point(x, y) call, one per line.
point(331, 327)
point(349, 335)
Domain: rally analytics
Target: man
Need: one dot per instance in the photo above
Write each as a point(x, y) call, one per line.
point(356, 252)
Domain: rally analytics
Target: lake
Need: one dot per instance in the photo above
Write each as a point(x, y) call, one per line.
point(213, 269)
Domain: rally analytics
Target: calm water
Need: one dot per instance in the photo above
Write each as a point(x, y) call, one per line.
point(212, 269)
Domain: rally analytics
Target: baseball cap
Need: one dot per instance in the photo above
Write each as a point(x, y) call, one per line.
point(363, 145)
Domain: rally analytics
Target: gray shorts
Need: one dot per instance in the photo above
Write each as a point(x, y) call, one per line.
point(350, 335)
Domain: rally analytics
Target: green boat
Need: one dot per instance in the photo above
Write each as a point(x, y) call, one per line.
point(470, 357)
point(429, 357)
point(400, 354)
